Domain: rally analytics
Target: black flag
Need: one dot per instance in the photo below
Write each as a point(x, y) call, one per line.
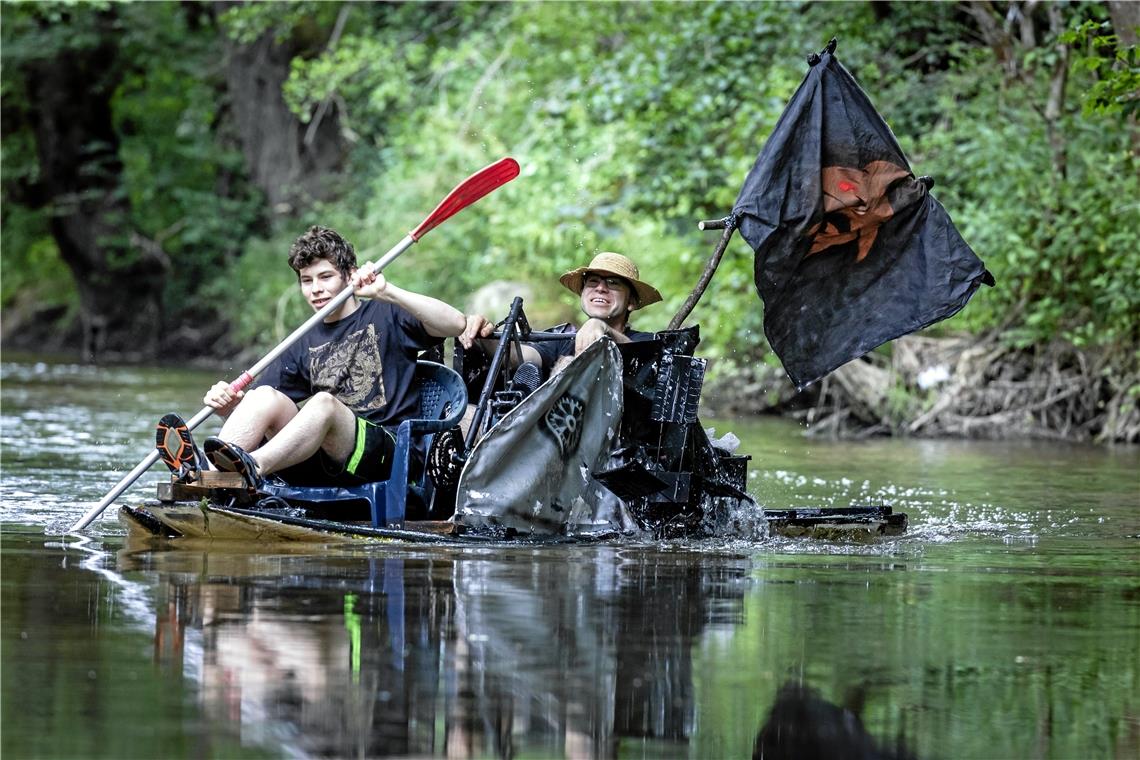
point(851, 249)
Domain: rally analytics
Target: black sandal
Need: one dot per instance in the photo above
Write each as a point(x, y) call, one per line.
point(229, 457)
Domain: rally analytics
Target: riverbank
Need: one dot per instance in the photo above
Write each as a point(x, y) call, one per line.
point(957, 387)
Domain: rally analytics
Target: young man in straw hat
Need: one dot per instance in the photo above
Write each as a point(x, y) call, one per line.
point(609, 288)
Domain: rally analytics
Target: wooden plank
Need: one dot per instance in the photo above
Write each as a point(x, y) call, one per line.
point(437, 527)
point(208, 484)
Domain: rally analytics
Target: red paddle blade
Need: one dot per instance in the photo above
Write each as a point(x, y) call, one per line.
point(467, 192)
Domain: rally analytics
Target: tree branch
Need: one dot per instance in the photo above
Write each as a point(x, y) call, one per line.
point(334, 38)
point(729, 224)
point(1055, 104)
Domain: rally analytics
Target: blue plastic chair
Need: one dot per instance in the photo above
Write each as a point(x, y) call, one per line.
point(443, 400)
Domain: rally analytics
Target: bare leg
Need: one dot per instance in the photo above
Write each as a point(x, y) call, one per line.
point(323, 423)
point(262, 414)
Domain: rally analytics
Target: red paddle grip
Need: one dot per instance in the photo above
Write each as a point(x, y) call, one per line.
point(241, 383)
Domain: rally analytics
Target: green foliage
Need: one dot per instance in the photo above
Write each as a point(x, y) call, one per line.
point(1114, 69)
point(246, 22)
point(631, 121)
point(48, 29)
point(258, 295)
point(175, 158)
point(181, 171)
point(32, 273)
point(1061, 246)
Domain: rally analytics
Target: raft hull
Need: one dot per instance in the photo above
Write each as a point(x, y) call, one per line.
point(196, 522)
point(213, 522)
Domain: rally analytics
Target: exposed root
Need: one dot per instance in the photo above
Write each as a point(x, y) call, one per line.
point(990, 391)
point(975, 388)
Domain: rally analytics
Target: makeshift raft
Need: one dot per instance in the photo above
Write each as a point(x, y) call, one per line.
point(609, 447)
point(190, 513)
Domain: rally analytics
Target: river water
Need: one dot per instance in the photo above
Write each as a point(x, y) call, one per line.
point(1005, 624)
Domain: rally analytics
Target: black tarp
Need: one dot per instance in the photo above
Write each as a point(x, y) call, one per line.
point(851, 249)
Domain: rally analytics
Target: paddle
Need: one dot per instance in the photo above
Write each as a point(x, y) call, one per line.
point(465, 193)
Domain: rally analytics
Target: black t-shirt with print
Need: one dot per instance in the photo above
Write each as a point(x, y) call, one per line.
point(366, 360)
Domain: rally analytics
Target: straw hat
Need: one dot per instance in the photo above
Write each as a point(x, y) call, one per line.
point(612, 264)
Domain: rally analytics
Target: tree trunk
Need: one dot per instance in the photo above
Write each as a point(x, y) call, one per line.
point(1125, 20)
point(289, 161)
point(119, 286)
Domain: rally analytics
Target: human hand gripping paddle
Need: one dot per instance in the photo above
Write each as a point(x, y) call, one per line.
point(465, 193)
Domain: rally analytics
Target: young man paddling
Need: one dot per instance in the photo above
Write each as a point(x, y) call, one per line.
point(354, 372)
point(609, 289)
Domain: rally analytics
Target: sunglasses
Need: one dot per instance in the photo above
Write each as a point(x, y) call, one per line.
point(594, 280)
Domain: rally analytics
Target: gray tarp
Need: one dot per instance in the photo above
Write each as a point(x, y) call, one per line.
point(531, 472)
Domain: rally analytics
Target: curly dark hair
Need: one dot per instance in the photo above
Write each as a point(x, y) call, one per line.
point(322, 243)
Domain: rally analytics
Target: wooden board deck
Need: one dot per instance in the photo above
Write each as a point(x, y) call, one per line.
point(209, 485)
point(837, 524)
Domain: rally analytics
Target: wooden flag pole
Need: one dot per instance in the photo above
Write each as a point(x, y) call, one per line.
point(728, 224)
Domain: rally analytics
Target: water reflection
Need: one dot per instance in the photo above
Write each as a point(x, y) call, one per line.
point(1002, 625)
point(802, 724)
point(574, 655)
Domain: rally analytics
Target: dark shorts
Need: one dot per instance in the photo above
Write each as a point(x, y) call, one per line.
point(370, 460)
